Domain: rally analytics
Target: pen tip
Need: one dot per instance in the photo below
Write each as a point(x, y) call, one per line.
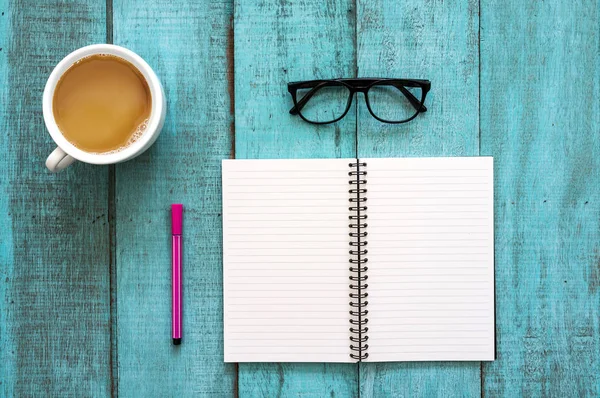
point(176, 341)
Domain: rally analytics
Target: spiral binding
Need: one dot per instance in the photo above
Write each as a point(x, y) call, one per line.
point(358, 269)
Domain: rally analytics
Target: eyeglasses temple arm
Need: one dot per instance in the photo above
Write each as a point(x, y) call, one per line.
point(413, 100)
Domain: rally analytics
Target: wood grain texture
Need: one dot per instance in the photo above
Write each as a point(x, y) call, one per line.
point(186, 43)
point(277, 42)
point(54, 322)
point(540, 118)
point(438, 41)
point(7, 357)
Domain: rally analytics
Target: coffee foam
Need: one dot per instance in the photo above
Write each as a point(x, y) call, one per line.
point(137, 134)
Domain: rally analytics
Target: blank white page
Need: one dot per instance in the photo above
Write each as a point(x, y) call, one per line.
point(285, 260)
point(431, 259)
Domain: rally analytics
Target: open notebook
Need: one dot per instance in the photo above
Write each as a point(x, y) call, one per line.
point(346, 260)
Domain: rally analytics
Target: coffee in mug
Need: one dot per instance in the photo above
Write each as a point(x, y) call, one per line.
point(102, 103)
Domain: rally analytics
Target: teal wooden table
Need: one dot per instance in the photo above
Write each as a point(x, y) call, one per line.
point(84, 254)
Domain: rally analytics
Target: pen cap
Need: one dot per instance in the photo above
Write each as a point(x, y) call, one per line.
point(176, 219)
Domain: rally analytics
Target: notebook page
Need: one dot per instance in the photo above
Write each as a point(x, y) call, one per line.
point(431, 259)
point(285, 260)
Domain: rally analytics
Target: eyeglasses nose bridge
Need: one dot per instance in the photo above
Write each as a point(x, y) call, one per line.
point(353, 93)
point(362, 89)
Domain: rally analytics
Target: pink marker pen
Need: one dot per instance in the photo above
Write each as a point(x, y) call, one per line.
point(176, 231)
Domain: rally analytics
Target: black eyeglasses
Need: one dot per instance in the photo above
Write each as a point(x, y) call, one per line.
point(388, 100)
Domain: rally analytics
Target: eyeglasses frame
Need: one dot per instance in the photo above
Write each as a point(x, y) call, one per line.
point(360, 85)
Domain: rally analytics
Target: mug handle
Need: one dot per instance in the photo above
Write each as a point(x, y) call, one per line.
point(58, 160)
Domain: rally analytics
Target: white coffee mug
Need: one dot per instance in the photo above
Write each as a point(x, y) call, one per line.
point(66, 153)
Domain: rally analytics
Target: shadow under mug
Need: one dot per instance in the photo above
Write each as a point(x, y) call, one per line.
point(66, 153)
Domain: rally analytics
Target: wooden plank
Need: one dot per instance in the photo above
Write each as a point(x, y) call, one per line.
point(54, 247)
point(540, 118)
point(436, 41)
point(277, 42)
point(7, 358)
point(186, 43)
